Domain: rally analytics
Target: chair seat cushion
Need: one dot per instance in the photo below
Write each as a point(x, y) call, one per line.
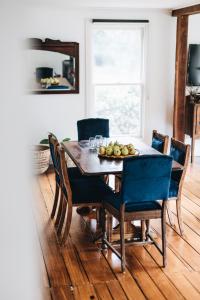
point(89, 190)
point(173, 189)
point(115, 201)
point(74, 172)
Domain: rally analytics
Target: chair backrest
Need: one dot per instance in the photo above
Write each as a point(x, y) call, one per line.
point(53, 143)
point(146, 178)
point(180, 152)
point(91, 127)
point(160, 142)
point(65, 183)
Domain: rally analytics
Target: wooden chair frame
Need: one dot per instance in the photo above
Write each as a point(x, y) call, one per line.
point(186, 148)
point(53, 140)
point(123, 216)
point(67, 204)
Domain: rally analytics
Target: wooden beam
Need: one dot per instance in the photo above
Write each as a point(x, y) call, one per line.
point(186, 11)
point(180, 78)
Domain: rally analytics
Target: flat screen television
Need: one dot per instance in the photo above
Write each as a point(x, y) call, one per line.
point(193, 74)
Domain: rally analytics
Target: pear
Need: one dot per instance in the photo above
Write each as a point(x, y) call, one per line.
point(132, 151)
point(117, 151)
point(102, 150)
point(116, 143)
point(124, 151)
point(116, 147)
point(130, 146)
point(109, 151)
point(110, 144)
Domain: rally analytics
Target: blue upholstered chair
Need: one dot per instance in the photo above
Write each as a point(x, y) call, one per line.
point(73, 173)
point(91, 127)
point(145, 179)
point(87, 191)
point(160, 142)
point(180, 153)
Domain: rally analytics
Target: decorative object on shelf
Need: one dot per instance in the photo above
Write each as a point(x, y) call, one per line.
point(41, 155)
point(52, 66)
point(194, 93)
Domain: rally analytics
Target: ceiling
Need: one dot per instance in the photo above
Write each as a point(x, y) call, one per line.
point(155, 4)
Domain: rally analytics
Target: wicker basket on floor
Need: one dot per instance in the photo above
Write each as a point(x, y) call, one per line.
point(41, 155)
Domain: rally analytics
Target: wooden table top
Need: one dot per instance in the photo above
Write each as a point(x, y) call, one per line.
point(90, 164)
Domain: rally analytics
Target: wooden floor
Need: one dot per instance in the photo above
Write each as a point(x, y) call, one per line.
point(81, 271)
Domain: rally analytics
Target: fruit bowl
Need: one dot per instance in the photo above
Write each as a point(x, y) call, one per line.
point(117, 151)
point(119, 156)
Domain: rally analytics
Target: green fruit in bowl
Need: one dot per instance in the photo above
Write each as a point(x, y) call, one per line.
point(109, 151)
point(116, 143)
point(110, 144)
point(124, 151)
point(102, 150)
point(117, 151)
point(130, 146)
point(132, 151)
point(116, 147)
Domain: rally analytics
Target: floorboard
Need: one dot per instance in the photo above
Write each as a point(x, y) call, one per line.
point(80, 271)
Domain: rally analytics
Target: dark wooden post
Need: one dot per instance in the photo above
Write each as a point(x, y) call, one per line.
point(180, 78)
point(182, 15)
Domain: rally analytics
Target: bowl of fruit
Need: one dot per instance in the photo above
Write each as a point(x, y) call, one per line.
point(117, 151)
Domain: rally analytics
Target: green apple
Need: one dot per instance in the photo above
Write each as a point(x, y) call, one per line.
point(124, 151)
point(109, 151)
point(102, 150)
point(117, 151)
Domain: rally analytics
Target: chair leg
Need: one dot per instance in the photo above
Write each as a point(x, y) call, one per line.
point(163, 225)
point(106, 179)
point(59, 209)
point(143, 232)
point(147, 228)
point(62, 218)
point(117, 184)
point(67, 226)
point(55, 201)
point(170, 216)
point(122, 242)
point(103, 224)
point(109, 227)
point(179, 215)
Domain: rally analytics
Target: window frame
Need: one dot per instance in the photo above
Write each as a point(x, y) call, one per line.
point(90, 93)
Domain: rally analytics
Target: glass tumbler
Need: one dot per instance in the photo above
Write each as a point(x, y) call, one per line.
point(99, 141)
point(92, 143)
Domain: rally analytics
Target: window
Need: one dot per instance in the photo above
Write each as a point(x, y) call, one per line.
point(117, 80)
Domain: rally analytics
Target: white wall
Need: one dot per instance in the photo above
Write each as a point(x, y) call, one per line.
point(194, 38)
point(59, 113)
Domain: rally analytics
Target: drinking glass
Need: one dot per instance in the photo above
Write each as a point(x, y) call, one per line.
point(99, 141)
point(92, 143)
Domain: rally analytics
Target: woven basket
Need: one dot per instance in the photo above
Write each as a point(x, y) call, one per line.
point(41, 155)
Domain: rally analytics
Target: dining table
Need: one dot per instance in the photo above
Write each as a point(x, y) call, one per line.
point(91, 164)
